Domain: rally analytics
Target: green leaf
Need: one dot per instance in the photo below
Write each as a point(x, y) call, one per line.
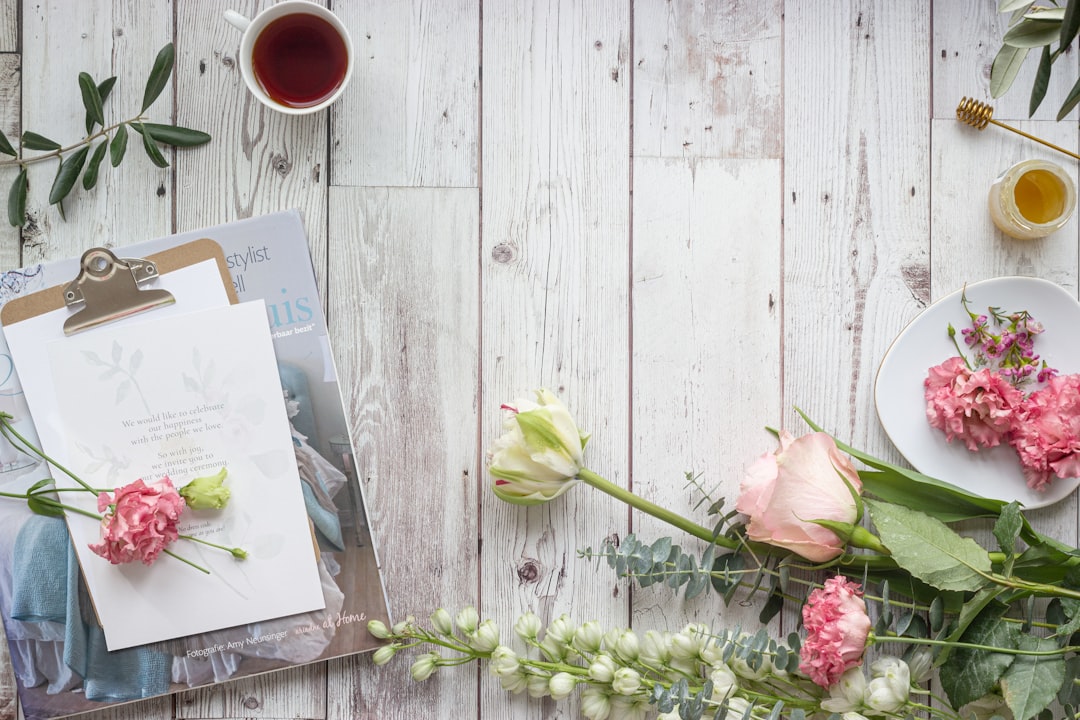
point(928, 549)
point(159, 75)
point(17, 200)
point(1070, 101)
point(68, 174)
point(1070, 24)
point(33, 141)
point(1070, 691)
point(1006, 65)
point(1045, 13)
point(103, 88)
point(5, 146)
point(118, 146)
point(175, 135)
point(1007, 528)
point(969, 674)
point(1032, 682)
point(1005, 6)
point(971, 610)
point(44, 506)
point(1042, 81)
point(89, 178)
point(1033, 33)
point(91, 98)
point(154, 152)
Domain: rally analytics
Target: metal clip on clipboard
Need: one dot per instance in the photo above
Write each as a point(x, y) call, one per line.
point(108, 286)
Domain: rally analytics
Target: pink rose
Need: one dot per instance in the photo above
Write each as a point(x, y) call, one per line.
point(836, 630)
point(802, 481)
point(1046, 432)
point(977, 407)
point(138, 522)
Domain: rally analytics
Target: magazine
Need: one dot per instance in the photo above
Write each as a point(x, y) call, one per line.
point(61, 663)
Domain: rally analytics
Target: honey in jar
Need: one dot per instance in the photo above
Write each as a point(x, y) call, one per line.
point(1032, 199)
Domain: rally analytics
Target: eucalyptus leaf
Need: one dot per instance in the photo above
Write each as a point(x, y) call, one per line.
point(1003, 70)
point(152, 150)
point(1032, 682)
point(1042, 81)
point(1033, 33)
point(118, 146)
point(159, 75)
point(17, 200)
point(5, 146)
point(174, 134)
point(89, 178)
point(1070, 101)
point(928, 549)
point(68, 174)
point(33, 141)
point(1070, 24)
point(969, 674)
point(91, 98)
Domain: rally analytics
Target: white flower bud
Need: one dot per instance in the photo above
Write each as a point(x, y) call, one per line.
point(561, 685)
point(744, 670)
point(402, 625)
point(384, 654)
point(848, 693)
point(673, 714)
point(561, 630)
point(504, 661)
point(424, 666)
point(626, 681)
point(554, 649)
point(610, 638)
point(629, 708)
point(684, 647)
point(724, 681)
point(440, 620)
point(679, 667)
point(527, 626)
point(486, 638)
point(515, 682)
point(737, 707)
point(538, 686)
point(853, 716)
point(595, 704)
point(467, 620)
point(921, 665)
point(888, 690)
point(655, 648)
point(712, 654)
point(627, 646)
point(378, 629)
point(588, 637)
point(602, 669)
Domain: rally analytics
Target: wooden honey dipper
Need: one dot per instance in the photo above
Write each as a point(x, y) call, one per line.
point(978, 115)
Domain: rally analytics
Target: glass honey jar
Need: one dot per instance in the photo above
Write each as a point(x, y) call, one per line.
point(1032, 199)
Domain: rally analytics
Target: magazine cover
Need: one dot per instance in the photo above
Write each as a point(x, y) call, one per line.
point(58, 653)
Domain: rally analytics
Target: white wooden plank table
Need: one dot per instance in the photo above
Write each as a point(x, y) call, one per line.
point(684, 217)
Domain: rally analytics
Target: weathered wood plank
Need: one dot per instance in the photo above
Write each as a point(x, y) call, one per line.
point(707, 79)
point(293, 693)
point(967, 36)
point(9, 25)
point(404, 322)
point(259, 161)
point(409, 116)
point(706, 348)
point(555, 273)
point(10, 124)
point(134, 201)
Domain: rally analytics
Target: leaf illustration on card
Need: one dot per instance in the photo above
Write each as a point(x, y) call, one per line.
point(92, 358)
point(116, 366)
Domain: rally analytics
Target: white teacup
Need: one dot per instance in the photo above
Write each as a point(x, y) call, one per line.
point(296, 57)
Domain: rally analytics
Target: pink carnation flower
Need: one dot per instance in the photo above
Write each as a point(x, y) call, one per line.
point(977, 407)
point(1046, 432)
point(836, 630)
point(138, 522)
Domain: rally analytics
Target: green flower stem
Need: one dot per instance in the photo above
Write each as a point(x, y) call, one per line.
point(235, 552)
point(640, 503)
point(182, 559)
point(6, 427)
point(969, 646)
point(103, 132)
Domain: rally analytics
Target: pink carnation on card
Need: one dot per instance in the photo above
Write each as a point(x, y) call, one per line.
point(138, 521)
point(977, 407)
point(1046, 434)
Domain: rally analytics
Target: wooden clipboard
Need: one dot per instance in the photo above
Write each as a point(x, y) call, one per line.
point(111, 292)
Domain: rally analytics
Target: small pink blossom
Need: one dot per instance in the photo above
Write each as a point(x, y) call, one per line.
point(802, 481)
point(1046, 432)
point(836, 630)
point(138, 522)
point(975, 406)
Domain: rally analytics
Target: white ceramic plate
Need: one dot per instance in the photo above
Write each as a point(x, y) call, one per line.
point(901, 406)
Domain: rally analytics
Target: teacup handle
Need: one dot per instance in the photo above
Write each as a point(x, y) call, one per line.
point(237, 20)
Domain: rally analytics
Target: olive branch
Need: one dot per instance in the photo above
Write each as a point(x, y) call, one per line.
point(72, 160)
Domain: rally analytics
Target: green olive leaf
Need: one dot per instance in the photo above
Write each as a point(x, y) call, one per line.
point(119, 145)
point(1033, 33)
point(1042, 81)
point(91, 98)
point(89, 178)
point(104, 88)
point(1003, 70)
point(5, 146)
point(174, 134)
point(68, 174)
point(159, 75)
point(17, 200)
point(1005, 6)
point(1070, 101)
point(152, 150)
point(33, 141)
point(1070, 24)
